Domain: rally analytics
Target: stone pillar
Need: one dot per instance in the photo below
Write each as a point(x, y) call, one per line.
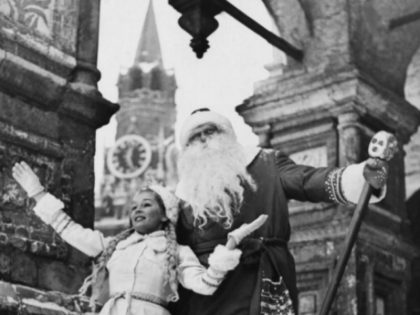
point(50, 109)
point(87, 45)
point(350, 139)
point(326, 108)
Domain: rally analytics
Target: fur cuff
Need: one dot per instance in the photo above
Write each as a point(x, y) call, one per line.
point(333, 186)
point(352, 182)
point(213, 277)
point(223, 259)
point(49, 208)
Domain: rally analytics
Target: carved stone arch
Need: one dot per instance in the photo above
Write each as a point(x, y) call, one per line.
point(319, 28)
point(291, 24)
point(412, 149)
point(381, 52)
point(290, 19)
point(412, 82)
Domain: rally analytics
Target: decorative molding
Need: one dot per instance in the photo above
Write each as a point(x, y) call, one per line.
point(47, 22)
point(30, 43)
point(320, 96)
point(299, 134)
point(42, 145)
point(369, 234)
point(316, 157)
point(34, 14)
point(385, 213)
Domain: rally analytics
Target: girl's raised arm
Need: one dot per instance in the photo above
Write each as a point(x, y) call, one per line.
point(50, 210)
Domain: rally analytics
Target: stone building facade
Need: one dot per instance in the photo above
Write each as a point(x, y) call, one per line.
point(358, 76)
point(50, 108)
point(324, 111)
point(145, 149)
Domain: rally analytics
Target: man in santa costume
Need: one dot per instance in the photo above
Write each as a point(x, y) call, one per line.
point(225, 185)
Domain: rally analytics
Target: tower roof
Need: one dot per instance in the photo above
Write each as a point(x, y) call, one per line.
point(148, 48)
point(147, 70)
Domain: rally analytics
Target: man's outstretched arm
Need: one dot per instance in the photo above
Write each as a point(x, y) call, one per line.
point(339, 185)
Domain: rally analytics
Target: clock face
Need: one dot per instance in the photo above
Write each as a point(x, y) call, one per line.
point(129, 157)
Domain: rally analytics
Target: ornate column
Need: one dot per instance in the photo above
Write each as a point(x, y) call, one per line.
point(350, 139)
point(50, 109)
point(87, 45)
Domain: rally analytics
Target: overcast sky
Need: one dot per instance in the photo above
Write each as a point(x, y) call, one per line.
point(221, 80)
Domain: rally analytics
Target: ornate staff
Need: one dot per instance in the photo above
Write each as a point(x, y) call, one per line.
point(383, 146)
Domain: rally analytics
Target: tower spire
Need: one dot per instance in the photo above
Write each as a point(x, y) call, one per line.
point(148, 48)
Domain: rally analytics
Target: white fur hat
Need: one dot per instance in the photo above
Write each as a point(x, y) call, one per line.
point(202, 117)
point(170, 201)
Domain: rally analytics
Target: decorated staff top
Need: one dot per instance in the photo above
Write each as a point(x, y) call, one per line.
point(383, 145)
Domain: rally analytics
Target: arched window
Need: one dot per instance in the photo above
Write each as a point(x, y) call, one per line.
point(156, 79)
point(136, 78)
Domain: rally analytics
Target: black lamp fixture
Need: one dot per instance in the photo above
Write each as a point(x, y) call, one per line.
point(198, 19)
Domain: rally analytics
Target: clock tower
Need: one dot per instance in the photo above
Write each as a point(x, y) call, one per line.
point(144, 150)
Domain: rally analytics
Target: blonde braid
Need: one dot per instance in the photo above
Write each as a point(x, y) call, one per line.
point(172, 262)
point(102, 260)
point(106, 254)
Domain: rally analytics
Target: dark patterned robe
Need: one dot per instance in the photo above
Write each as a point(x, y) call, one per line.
point(265, 253)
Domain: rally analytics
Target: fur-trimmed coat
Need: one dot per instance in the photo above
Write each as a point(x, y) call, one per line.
point(137, 268)
point(265, 280)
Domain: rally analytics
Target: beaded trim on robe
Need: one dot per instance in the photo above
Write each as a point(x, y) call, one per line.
point(275, 298)
point(333, 186)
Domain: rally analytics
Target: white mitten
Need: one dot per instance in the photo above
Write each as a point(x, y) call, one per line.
point(27, 179)
point(223, 259)
point(375, 172)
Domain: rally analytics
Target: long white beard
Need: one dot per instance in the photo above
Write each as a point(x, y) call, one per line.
point(212, 179)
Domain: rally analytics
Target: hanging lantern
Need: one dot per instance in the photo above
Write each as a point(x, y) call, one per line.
point(198, 19)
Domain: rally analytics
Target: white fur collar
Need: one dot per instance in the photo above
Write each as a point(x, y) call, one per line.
point(137, 237)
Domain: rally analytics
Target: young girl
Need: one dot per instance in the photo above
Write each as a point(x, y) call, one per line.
point(144, 263)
